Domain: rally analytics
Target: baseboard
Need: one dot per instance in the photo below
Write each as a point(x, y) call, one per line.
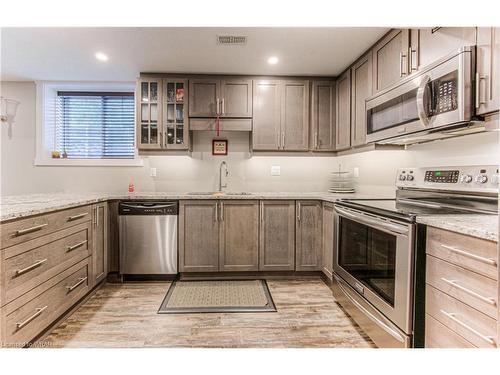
point(251, 275)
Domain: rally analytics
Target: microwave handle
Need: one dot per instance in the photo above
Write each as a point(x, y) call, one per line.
point(422, 114)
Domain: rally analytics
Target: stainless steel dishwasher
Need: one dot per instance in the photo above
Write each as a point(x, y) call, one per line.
point(148, 237)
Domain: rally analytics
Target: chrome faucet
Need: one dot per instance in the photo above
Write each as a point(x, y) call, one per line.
point(223, 164)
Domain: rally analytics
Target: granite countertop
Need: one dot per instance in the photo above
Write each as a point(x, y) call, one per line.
point(18, 206)
point(481, 226)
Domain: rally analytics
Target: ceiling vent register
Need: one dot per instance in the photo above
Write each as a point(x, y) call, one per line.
point(231, 40)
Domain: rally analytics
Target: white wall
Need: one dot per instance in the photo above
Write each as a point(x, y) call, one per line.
point(200, 171)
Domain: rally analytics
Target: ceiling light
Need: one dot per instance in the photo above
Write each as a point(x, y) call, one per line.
point(273, 60)
point(101, 56)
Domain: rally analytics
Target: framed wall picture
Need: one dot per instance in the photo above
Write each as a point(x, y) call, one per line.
point(219, 147)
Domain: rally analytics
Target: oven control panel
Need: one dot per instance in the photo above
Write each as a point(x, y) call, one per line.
point(475, 178)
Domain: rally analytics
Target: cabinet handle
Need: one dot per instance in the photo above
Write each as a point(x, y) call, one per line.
point(315, 140)
point(37, 313)
point(411, 53)
point(479, 78)
point(221, 211)
point(401, 64)
point(217, 109)
point(76, 246)
point(262, 212)
point(453, 283)
point(278, 139)
point(76, 217)
point(223, 107)
point(490, 261)
point(453, 317)
point(20, 232)
point(38, 263)
point(97, 216)
point(283, 140)
point(298, 212)
point(216, 211)
point(73, 287)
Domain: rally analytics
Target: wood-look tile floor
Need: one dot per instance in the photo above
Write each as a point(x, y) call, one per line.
point(125, 315)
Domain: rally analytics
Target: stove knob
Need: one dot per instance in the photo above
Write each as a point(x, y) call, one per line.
point(402, 177)
point(410, 177)
point(466, 178)
point(481, 178)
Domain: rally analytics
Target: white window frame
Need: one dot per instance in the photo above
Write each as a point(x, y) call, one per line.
point(46, 95)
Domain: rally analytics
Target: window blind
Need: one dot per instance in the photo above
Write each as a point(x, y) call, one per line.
point(95, 125)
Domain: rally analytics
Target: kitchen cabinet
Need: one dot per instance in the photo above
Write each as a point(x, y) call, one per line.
point(228, 97)
point(277, 235)
point(488, 70)
point(323, 116)
point(430, 44)
point(328, 239)
point(343, 111)
point(281, 115)
point(308, 232)
point(239, 235)
point(175, 120)
point(198, 236)
point(361, 89)
point(100, 243)
point(148, 120)
point(390, 59)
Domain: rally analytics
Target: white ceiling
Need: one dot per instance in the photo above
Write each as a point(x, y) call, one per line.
point(68, 53)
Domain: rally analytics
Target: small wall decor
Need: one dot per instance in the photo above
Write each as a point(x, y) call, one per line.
point(219, 147)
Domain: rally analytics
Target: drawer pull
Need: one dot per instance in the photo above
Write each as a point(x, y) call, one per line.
point(20, 232)
point(453, 317)
point(38, 263)
point(490, 261)
point(76, 217)
point(37, 313)
point(80, 281)
point(76, 246)
point(453, 283)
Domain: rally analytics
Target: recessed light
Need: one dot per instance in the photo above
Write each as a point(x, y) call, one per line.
point(273, 60)
point(101, 56)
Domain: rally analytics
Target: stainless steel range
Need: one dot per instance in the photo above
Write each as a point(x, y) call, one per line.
point(379, 260)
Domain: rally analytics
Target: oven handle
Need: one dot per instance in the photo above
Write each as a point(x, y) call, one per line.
point(392, 228)
point(422, 115)
point(377, 321)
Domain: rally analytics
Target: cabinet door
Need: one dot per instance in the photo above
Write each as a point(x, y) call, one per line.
point(361, 89)
point(488, 70)
point(100, 243)
point(277, 236)
point(323, 116)
point(239, 233)
point(328, 239)
point(390, 59)
point(198, 236)
point(308, 242)
point(203, 97)
point(430, 44)
point(148, 120)
point(236, 98)
point(266, 115)
point(175, 117)
point(343, 111)
point(295, 115)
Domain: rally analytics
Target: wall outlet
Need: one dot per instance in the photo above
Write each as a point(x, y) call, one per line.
point(275, 170)
point(152, 172)
point(355, 172)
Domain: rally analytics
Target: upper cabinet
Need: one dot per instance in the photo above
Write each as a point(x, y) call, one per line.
point(361, 89)
point(488, 70)
point(343, 111)
point(430, 44)
point(390, 59)
point(148, 121)
point(175, 118)
point(323, 116)
point(281, 115)
point(212, 97)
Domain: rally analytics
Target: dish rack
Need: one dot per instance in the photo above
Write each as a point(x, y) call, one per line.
point(341, 182)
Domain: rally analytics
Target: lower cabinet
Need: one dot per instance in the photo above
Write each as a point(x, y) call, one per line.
point(328, 239)
point(277, 235)
point(308, 236)
point(99, 242)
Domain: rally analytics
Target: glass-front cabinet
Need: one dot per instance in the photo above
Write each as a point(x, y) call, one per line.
point(162, 123)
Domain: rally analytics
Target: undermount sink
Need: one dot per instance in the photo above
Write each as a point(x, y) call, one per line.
point(220, 193)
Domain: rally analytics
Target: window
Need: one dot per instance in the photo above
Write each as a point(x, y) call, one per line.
point(86, 124)
point(95, 125)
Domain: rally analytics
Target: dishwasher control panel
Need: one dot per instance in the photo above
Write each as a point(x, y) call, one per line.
point(146, 208)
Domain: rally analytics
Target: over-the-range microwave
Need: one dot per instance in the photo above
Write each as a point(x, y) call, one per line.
point(438, 98)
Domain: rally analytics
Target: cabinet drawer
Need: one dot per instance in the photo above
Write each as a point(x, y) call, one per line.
point(29, 264)
point(19, 231)
point(477, 328)
point(438, 335)
point(473, 289)
point(472, 253)
point(25, 322)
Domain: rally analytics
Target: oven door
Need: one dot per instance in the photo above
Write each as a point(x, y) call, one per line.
point(438, 96)
point(374, 256)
